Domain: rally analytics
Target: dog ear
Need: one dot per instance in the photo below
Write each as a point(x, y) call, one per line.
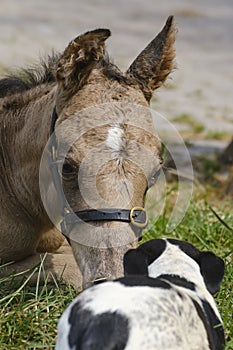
point(135, 263)
point(212, 269)
point(152, 249)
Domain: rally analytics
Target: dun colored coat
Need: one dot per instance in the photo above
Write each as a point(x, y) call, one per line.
point(79, 79)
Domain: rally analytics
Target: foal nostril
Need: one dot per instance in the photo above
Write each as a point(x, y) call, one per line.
point(100, 280)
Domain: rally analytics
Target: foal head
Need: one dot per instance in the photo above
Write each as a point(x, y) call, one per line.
point(112, 152)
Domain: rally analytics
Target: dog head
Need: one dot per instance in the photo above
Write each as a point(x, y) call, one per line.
point(176, 258)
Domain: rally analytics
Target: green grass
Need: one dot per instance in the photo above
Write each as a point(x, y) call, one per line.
point(28, 316)
point(207, 167)
point(187, 119)
point(216, 135)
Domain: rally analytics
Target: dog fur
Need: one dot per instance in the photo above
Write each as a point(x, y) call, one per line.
point(164, 302)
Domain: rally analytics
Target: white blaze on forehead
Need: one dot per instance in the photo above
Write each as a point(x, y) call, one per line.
point(115, 139)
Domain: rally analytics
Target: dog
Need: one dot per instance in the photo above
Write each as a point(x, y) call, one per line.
point(164, 302)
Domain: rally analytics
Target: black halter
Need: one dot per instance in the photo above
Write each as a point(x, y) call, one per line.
point(136, 216)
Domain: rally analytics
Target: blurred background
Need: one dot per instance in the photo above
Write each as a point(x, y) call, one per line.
point(198, 96)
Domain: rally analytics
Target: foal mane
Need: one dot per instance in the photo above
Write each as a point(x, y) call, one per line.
point(25, 79)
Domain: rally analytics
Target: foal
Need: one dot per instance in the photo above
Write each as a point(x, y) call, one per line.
point(100, 116)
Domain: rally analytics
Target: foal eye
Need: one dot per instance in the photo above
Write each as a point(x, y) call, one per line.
point(67, 169)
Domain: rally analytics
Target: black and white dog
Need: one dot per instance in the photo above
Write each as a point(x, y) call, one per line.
point(164, 302)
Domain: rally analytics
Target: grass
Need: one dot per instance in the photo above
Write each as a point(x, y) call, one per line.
point(187, 119)
point(216, 135)
point(28, 316)
point(197, 129)
point(207, 167)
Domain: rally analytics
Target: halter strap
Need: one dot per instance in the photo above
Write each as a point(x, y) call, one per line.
point(136, 216)
point(53, 121)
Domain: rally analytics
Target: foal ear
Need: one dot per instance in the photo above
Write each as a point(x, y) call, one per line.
point(80, 57)
point(212, 270)
point(156, 61)
point(135, 263)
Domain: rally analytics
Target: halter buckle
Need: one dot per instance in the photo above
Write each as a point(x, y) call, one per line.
point(138, 217)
